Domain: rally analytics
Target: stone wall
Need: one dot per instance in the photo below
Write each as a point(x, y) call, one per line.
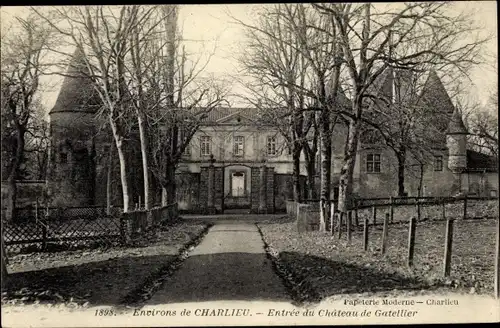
point(283, 190)
point(254, 194)
point(71, 177)
point(219, 188)
point(27, 193)
point(188, 191)
point(203, 199)
point(270, 190)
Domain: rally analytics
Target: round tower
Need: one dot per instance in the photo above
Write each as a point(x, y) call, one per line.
point(72, 128)
point(456, 143)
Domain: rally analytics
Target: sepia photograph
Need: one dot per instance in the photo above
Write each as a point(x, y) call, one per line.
point(325, 163)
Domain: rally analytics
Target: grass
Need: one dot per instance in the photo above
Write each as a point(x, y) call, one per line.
point(97, 276)
point(328, 266)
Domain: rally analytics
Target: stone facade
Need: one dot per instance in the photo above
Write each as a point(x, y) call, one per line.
point(234, 162)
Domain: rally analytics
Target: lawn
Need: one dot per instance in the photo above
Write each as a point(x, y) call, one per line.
point(321, 265)
point(100, 276)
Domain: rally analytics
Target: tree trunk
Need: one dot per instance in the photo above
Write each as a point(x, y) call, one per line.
point(11, 179)
point(5, 273)
point(11, 199)
point(164, 196)
point(310, 156)
point(170, 188)
point(420, 180)
point(123, 177)
point(311, 170)
point(297, 195)
point(326, 161)
point(145, 165)
point(346, 173)
point(109, 177)
point(12, 192)
point(401, 156)
point(123, 165)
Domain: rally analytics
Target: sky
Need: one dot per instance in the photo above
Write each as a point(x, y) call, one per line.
point(210, 32)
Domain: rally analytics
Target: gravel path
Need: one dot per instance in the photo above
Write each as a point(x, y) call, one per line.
point(229, 264)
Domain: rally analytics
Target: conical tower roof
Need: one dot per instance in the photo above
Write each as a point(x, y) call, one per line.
point(77, 93)
point(434, 95)
point(456, 125)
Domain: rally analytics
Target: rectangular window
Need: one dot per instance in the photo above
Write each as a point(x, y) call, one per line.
point(63, 158)
point(205, 146)
point(373, 163)
point(271, 146)
point(239, 146)
point(438, 163)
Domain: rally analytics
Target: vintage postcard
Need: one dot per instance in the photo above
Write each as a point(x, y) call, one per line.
point(250, 164)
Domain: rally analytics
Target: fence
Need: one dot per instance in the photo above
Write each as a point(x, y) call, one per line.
point(423, 208)
point(377, 215)
point(137, 223)
point(427, 208)
point(47, 229)
point(52, 233)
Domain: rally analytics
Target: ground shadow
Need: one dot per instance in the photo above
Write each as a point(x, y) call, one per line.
point(223, 276)
point(207, 277)
point(328, 277)
point(99, 283)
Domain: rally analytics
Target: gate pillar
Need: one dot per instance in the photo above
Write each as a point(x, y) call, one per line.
point(263, 190)
point(211, 187)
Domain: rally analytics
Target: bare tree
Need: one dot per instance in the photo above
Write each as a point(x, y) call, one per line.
point(145, 45)
point(37, 145)
point(279, 72)
point(318, 39)
point(297, 31)
point(483, 127)
point(103, 38)
point(180, 100)
point(23, 49)
point(427, 34)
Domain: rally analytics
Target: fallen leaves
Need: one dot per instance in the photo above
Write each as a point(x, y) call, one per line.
point(97, 276)
point(329, 266)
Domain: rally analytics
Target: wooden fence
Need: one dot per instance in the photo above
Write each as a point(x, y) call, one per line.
point(381, 212)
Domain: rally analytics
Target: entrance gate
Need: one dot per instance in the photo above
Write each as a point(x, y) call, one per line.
point(237, 187)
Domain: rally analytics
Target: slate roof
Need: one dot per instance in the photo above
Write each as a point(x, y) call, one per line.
point(456, 125)
point(77, 93)
point(481, 162)
point(222, 112)
point(434, 94)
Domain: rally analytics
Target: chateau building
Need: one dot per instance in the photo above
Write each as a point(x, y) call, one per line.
point(234, 162)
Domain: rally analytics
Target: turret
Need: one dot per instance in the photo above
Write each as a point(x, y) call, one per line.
point(71, 177)
point(456, 143)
